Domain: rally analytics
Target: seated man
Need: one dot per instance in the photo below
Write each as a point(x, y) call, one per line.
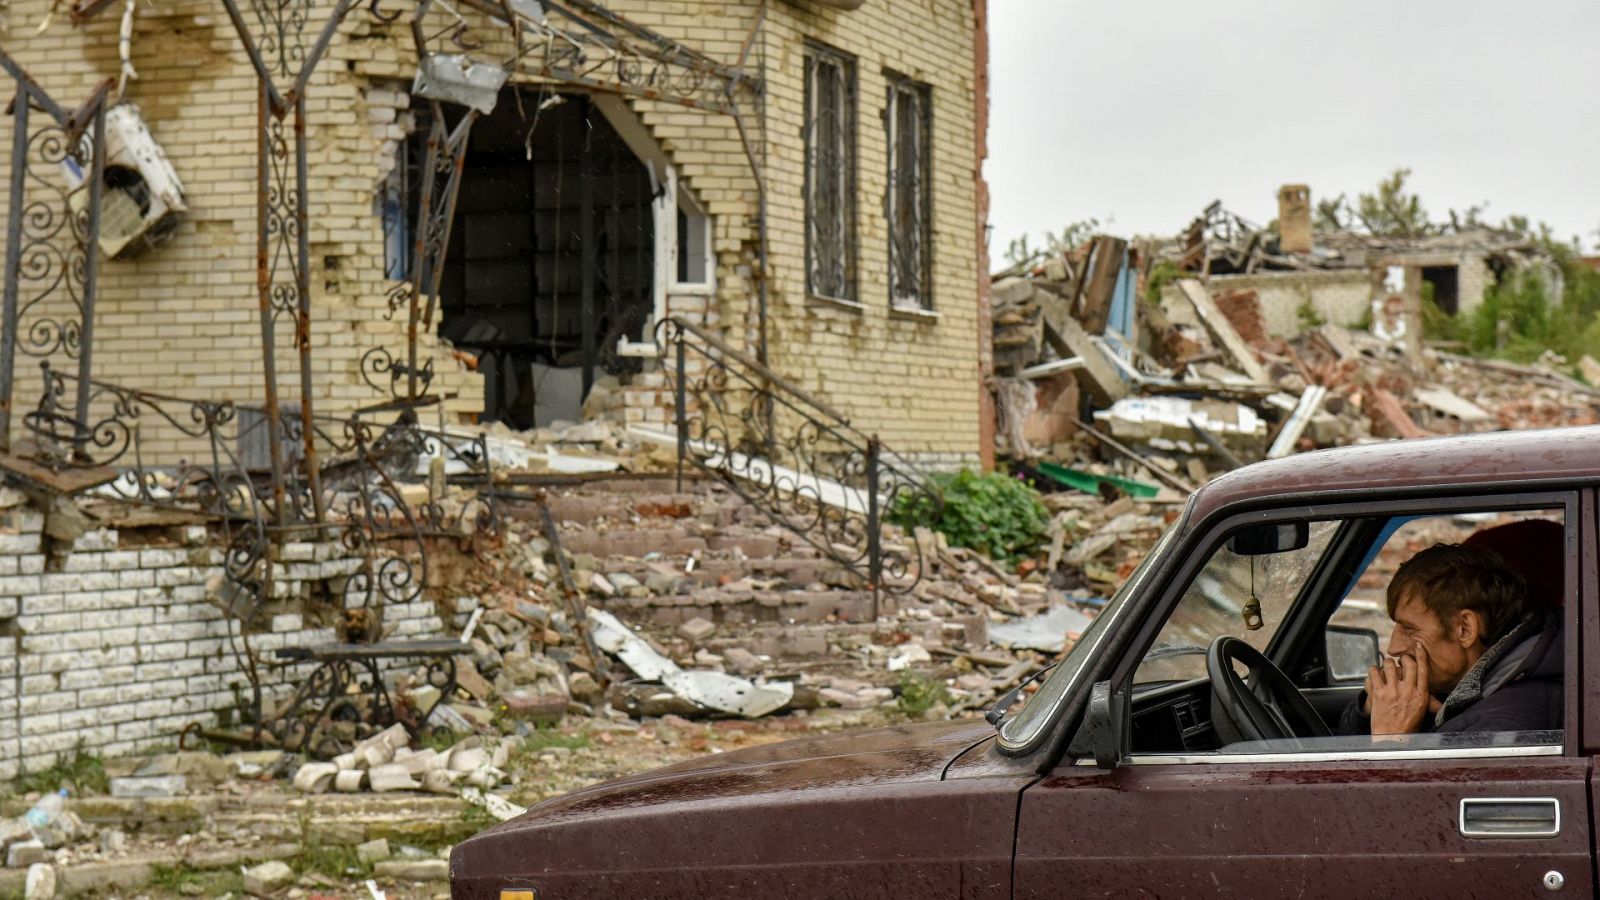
point(1465, 655)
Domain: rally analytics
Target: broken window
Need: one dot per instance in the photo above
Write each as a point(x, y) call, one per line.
point(908, 119)
point(830, 136)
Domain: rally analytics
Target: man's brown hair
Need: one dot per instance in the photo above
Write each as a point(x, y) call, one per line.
point(1448, 578)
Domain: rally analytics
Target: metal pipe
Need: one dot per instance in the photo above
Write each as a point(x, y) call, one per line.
point(264, 297)
point(588, 249)
point(302, 330)
point(8, 311)
point(419, 243)
point(452, 190)
point(680, 396)
point(874, 528)
point(761, 236)
point(91, 273)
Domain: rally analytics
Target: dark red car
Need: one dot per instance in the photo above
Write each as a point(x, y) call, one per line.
point(1144, 765)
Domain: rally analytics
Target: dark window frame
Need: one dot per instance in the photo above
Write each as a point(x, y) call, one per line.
point(912, 238)
point(832, 251)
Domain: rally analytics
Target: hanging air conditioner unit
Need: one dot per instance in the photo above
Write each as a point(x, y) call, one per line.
point(141, 200)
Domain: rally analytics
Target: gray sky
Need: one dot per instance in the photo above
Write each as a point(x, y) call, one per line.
point(1141, 112)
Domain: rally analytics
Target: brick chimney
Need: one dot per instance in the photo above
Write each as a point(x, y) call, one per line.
point(1294, 218)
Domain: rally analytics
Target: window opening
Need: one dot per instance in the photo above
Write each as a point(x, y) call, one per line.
point(830, 174)
point(694, 241)
point(909, 201)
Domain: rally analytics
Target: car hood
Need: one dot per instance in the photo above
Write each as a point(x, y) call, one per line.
point(626, 823)
point(882, 755)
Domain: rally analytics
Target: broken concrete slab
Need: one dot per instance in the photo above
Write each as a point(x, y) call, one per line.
point(149, 786)
point(413, 869)
point(374, 851)
point(268, 878)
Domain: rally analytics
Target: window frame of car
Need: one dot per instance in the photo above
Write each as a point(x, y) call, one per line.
point(1191, 555)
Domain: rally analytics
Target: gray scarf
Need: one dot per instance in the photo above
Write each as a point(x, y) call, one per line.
point(1493, 668)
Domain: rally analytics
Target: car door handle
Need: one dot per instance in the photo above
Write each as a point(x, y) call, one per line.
point(1510, 817)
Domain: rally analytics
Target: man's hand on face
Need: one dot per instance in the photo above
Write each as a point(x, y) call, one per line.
point(1397, 693)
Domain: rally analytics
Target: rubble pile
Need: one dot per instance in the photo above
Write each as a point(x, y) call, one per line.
point(385, 762)
point(655, 603)
point(1099, 379)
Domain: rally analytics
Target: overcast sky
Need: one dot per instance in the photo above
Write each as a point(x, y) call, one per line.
point(1140, 112)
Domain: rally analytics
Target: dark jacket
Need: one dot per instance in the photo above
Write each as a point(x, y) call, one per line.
point(1514, 686)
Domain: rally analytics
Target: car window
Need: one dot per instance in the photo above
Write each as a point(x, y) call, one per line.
point(1219, 602)
point(1524, 655)
point(1365, 606)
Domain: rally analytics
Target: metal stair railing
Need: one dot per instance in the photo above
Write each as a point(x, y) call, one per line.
point(792, 456)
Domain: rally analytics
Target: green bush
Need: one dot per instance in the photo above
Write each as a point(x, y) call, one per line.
point(992, 513)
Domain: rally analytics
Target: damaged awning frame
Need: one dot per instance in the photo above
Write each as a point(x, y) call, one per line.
point(52, 255)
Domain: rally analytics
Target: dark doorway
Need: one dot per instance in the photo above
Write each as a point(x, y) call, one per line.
point(1446, 290)
point(551, 254)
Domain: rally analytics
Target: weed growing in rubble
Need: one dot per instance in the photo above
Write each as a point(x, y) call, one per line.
point(81, 774)
point(332, 860)
point(918, 694)
point(993, 513)
point(181, 879)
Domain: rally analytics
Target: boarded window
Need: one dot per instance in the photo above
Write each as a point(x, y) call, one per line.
point(910, 220)
point(830, 136)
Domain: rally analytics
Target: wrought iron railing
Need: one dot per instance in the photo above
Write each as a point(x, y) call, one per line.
point(793, 457)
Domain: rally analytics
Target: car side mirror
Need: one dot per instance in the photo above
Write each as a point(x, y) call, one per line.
point(1350, 652)
point(1101, 734)
point(1264, 540)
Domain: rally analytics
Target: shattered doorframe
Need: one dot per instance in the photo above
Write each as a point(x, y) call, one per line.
point(582, 44)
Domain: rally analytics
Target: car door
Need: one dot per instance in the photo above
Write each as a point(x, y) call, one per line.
point(1507, 816)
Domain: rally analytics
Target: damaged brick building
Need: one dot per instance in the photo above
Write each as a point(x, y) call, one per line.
point(584, 216)
point(315, 219)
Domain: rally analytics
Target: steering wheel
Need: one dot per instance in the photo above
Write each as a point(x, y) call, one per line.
point(1273, 710)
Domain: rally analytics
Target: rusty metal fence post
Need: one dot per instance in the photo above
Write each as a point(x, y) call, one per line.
point(874, 526)
point(8, 318)
point(680, 394)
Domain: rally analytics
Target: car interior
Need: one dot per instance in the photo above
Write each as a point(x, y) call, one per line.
point(1274, 635)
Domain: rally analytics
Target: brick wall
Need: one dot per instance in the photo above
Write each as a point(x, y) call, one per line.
point(112, 642)
point(912, 379)
point(1340, 297)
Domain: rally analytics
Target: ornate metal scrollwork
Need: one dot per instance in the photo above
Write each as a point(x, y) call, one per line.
point(792, 457)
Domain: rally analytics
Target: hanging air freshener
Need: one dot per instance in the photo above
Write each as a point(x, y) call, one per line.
point(1252, 607)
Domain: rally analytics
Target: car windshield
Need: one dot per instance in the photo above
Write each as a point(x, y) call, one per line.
point(1247, 597)
point(1027, 725)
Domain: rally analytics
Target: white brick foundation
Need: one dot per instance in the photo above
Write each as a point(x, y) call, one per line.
point(115, 644)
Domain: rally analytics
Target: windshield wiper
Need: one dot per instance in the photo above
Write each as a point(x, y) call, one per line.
point(1009, 699)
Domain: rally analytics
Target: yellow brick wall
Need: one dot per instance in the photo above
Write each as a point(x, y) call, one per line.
point(914, 382)
point(183, 318)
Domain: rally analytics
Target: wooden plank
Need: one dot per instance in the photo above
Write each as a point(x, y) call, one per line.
point(1069, 339)
point(1093, 312)
point(1045, 370)
point(1395, 414)
point(1295, 425)
point(1222, 330)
